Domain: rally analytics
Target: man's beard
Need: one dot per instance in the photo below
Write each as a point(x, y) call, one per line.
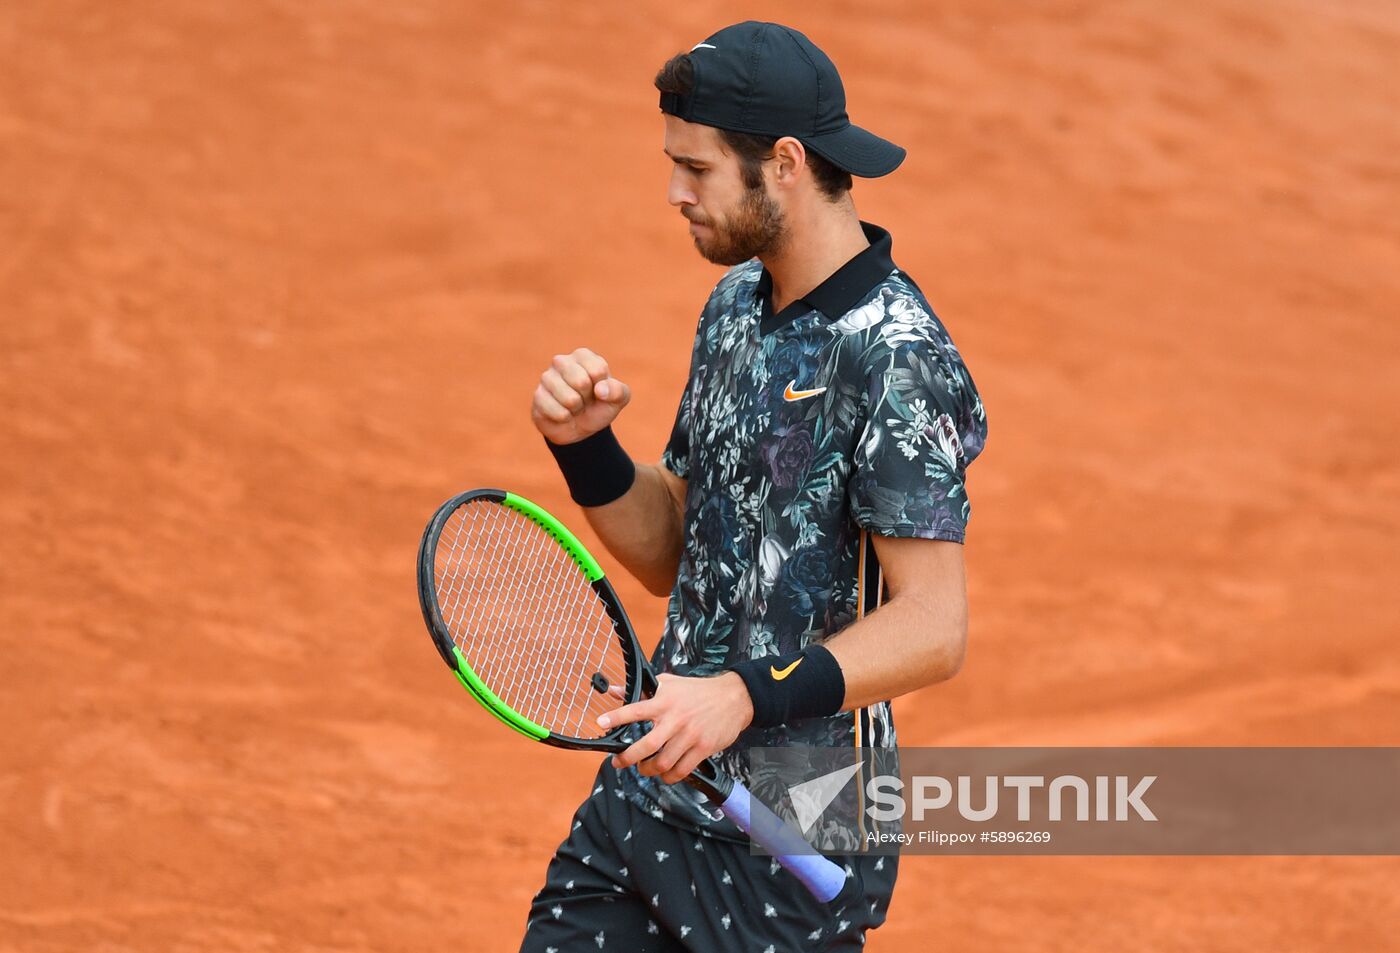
point(756, 228)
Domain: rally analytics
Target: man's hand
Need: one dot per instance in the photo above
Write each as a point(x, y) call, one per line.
point(577, 397)
point(692, 718)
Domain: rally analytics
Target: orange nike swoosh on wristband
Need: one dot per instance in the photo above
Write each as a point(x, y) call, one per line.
point(781, 673)
point(790, 394)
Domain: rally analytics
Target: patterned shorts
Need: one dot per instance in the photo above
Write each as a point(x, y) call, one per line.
point(625, 881)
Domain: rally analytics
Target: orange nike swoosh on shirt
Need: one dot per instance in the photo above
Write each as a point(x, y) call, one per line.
point(791, 394)
point(781, 673)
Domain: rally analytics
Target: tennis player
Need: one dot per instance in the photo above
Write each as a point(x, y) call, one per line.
point(815, 471)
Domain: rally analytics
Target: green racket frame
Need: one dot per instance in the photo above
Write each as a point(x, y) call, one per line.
point(641, 681)
point(819, 875)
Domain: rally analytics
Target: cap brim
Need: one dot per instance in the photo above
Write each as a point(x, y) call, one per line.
point(857, 151)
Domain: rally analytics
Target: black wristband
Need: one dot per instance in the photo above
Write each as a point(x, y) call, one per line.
point(785, 688)
point(596, 468)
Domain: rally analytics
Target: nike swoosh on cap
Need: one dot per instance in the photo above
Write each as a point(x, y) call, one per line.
point(791, 393)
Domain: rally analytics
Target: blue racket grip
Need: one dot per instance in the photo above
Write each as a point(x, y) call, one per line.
point(820, 876)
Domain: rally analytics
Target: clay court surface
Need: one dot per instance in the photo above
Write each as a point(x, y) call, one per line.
point(276, 279)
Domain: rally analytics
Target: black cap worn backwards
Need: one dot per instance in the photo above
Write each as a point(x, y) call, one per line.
point(769, 80)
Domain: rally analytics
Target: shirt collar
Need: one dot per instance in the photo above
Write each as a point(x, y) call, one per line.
point(843, 290)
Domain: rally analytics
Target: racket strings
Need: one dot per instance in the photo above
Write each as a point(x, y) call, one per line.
point(526, 619)
point(540, 679)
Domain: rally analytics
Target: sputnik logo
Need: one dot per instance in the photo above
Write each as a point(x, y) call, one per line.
point(812, 797)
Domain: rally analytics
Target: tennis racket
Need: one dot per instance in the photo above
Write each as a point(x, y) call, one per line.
point(527, 621)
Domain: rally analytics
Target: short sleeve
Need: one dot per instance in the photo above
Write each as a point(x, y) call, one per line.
point(676, 456)
point(924, 425)
point(721, 303)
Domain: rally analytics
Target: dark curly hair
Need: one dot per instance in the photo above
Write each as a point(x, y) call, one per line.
point(678, 76)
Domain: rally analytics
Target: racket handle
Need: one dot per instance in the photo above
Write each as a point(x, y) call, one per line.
point(820, 876)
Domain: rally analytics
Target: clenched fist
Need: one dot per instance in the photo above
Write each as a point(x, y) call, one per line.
point(577, 397)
